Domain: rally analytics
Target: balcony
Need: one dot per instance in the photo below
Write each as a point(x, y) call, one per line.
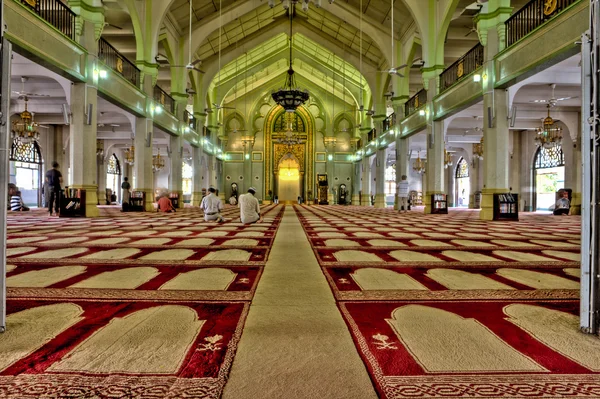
point(189, 119)
point(462, 68)
point(415, 102)
point(164, 99)
point(117, 62)
point(389, 122)
point(533, 15)
point(56, 14)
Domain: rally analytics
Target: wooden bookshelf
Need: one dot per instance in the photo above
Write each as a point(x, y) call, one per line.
point(506, 206)
point(72, 203)
point(174, 197)
point(439, 203)
point(137, 201)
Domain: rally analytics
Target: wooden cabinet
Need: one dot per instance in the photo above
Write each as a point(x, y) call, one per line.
point(72, 203)
point(506, 206)
point(439, 203)
point(137, 201)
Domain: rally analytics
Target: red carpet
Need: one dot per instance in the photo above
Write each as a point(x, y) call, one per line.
point(448, 306)
point(138, 305)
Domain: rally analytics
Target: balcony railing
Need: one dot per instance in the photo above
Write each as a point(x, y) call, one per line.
point(189, 119)
point(532, 15)
point(389, 122)
point(371, 135)
point(462, 67)
point(164, 99)
point(415, 102)
point(205, 132)
point(116, 61)
point(56, 13)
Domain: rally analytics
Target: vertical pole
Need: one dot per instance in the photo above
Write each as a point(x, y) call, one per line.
point(4, 148)
point(590, 151)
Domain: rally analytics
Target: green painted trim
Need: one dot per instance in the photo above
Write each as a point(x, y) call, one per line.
point(177, 94)
point(492, 15)
point(400, 98)
point(413, 131)
point(147, 64)
point(380, 117)
point(433, 68)
point(86, 7)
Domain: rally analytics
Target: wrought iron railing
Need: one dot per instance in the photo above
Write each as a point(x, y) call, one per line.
point(532, 15)
point(205, 132)
point(117, 61)
point(371, 135)
point(415, 102)
point(462, 67)
point(163, 98)
point(189, 119)
point(56, 13)
point(389, 122)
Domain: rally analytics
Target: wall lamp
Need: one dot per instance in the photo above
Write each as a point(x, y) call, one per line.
point(477, 78)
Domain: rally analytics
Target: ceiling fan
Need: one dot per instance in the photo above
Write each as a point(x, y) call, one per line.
point(191, 65)
point(23, 95)
point(395, 70)
point(553, 100)
point(472, 29)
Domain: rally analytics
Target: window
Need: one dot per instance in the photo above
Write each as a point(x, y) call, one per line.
point(25, 152)
point(462, 169)
point(390, 180)
point(549, 157)
point(186, 174)
point(114, 168)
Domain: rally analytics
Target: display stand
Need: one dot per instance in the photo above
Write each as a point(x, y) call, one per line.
point(439, 204)
point(416, 198)
point(137, 199)
point(174, 197)
point(72, 204)
point(506, 206)
point(322, 189)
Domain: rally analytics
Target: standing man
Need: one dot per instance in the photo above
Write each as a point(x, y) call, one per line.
point(403, 195)
point(54, 180)
point(249, 208)
point(125, 186)
point(212, 206)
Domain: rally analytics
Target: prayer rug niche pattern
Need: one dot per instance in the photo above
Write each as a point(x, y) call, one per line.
point(444, 306)
point(137, 305)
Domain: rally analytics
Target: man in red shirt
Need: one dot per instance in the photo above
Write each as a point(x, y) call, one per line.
point(164, 204)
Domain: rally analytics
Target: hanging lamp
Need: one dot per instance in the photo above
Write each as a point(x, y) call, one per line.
point(290, 97)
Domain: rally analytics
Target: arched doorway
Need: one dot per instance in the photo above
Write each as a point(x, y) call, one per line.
point(26, 167)
point(549, 176)
point(289, 178)
point(463, 184)
point(113, 176)
point(290, 136)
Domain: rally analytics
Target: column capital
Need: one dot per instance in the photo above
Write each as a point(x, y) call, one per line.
point(493, 18)
point(148, 69)
point(432, 72)
point(87, 12)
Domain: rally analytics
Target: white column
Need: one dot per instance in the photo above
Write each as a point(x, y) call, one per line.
point(197, 174)
point(401, 164)
point(175, 177)
point(380, 162)
point(142, 168)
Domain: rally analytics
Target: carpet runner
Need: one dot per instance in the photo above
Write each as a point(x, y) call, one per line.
point(135, 305)
point(446, 306)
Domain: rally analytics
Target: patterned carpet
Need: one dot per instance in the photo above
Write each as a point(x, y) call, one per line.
point(135, 305)
point(451, 306)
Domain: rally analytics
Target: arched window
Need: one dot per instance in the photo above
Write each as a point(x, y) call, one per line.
point(390, 180)
point(462, 169)
point(186, 175)
point(25, 152)
point(549, 157)
point(113, 168)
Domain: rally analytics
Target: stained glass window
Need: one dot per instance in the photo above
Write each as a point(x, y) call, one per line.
point(114, 168)
point(462, 169)
point(25, 152)
point(549, 157)
point(282, 122)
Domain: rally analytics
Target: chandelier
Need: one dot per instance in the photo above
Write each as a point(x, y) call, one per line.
point(419, 164)
point(158, 162)
point(129, 155)
point(478, 150)
point(290, 97)
point(24, 128)
point(548, 135)
point(447, 159)
point(289, 136)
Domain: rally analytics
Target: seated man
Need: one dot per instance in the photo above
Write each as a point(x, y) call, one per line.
point(249, 208)
point(212, 206)
point(563, 205)
point(164, 204)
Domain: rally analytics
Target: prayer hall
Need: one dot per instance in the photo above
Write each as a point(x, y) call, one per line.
point(300, 199)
